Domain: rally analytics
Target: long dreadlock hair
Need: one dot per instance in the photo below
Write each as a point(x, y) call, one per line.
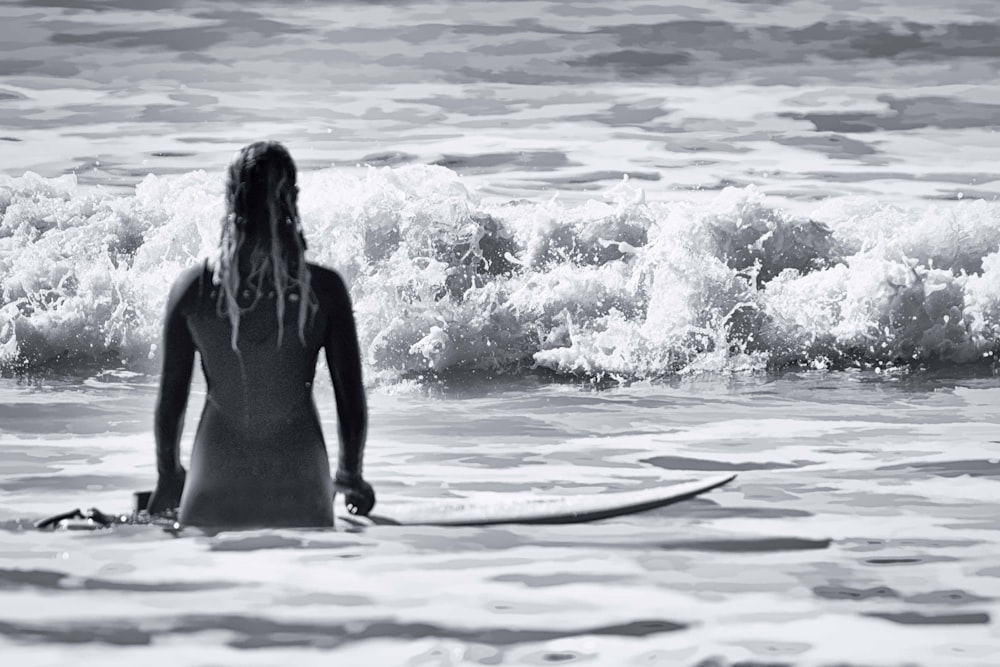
point(262, 214)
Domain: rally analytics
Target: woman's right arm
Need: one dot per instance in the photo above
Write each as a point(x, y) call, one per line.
point(343, 357)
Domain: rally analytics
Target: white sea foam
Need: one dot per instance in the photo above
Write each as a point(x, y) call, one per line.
point(446, 280)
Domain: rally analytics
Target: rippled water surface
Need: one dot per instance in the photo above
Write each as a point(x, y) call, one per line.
point(865, 506)
point(803, 98)
point(680, 239)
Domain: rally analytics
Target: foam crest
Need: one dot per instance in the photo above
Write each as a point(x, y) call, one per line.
point(444, 281)
point(85, 273)
point(909, 286)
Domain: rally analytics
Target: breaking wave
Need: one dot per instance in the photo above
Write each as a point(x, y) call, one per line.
point(445, 281)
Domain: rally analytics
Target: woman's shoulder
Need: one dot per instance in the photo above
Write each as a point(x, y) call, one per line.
point(191, 274)
point(186, 284)
point(323, 272)
point(325, 279)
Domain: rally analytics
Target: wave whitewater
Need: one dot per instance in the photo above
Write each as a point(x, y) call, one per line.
point(444, 281)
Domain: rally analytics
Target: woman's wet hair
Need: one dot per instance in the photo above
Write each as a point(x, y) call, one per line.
point(262, 215)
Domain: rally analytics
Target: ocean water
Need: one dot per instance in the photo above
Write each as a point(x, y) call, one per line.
point(591, 247)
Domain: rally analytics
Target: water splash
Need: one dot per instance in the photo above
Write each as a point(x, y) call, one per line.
point(445, 281)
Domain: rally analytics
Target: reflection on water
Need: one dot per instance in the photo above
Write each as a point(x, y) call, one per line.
point(858, 508)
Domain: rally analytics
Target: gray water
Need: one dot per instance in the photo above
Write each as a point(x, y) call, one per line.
point(804, 99)
point(861, 529)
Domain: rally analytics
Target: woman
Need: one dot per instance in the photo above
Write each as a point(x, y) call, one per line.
point(258, 318)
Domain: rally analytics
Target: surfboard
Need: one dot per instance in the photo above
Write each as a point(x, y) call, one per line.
point(505, 508)
point(529, 508)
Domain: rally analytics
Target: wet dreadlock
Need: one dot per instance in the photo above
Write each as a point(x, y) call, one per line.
point(262, 214)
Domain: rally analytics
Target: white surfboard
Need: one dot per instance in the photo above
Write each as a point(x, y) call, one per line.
point(526, 507)
point(515, 507)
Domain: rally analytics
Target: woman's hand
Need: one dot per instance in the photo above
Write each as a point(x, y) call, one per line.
point(359, 496)
point(167, 495)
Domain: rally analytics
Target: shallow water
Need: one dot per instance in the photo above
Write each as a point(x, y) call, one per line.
point(865, 507)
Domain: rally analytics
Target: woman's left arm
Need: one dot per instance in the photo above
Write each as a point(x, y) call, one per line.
point(175, 386)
